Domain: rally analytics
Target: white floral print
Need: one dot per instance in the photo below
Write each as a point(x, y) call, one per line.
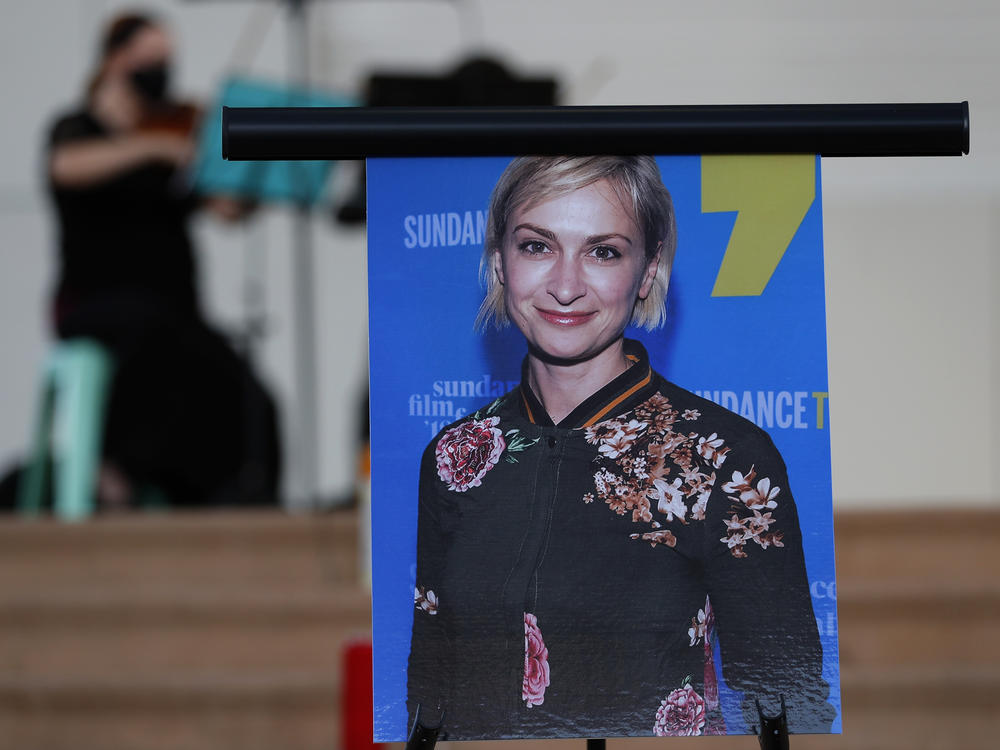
point(425, 600)
point(645, 466)
point(756, 527)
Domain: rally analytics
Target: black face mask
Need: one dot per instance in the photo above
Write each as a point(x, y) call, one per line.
point(152, 81)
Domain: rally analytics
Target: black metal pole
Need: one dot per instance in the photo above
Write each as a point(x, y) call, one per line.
point(940, 129)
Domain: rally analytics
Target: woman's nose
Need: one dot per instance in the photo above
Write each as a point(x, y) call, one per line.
point(566, 284)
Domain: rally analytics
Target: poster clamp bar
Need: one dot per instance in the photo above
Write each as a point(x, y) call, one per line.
point(258, 134)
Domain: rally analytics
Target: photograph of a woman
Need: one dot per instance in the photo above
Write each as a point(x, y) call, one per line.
point(596, 545)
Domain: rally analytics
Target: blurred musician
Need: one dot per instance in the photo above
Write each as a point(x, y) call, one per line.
point(186, 416)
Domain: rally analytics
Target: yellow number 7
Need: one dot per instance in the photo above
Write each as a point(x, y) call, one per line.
point(772, 194)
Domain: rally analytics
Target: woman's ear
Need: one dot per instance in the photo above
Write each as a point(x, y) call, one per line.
point(498, 266)
point(649, 273)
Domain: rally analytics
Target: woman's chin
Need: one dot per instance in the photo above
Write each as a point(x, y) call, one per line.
point(566, 349)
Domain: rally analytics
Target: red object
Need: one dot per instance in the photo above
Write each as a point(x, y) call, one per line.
point(356, 713)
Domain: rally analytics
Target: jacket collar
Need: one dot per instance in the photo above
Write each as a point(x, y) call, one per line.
point(622, 394)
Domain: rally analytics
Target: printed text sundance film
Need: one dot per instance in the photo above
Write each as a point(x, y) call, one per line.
point(449, 400)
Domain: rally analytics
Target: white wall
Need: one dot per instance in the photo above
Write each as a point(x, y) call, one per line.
point(911, 243)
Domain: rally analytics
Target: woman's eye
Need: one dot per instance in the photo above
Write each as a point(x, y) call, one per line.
point(605, 252)
point(533, 247)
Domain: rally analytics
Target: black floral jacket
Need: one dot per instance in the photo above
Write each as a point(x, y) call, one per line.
point(572, 578)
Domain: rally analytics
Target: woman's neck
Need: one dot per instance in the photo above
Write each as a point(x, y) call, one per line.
point(563, 387)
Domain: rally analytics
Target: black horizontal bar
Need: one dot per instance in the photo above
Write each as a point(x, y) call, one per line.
point(940, 129)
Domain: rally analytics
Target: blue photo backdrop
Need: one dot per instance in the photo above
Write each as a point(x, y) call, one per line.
point(760, 351)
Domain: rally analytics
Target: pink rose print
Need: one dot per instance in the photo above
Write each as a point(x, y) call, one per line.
point(466, 452)
point(536, 663)
point(681, 714)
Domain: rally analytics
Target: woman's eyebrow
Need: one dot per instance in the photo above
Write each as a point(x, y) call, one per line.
point(598, 238)
point(547, 234)
point(591, 240)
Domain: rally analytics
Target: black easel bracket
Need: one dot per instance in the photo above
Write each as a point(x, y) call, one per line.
point(422, 737)
point(773, 729)
point(940, 129)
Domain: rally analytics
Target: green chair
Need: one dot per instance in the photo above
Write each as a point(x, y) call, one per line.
point(69, 430)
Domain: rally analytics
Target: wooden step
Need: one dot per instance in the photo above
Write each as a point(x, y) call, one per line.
point(939, 549)
point(239, 633)
point(266, 713)
point(887, 625)
point(112, 693)
point(200, 549)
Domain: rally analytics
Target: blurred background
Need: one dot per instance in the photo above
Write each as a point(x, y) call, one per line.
point(226, 628)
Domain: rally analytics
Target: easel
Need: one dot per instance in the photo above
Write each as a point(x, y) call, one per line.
point(828, 130)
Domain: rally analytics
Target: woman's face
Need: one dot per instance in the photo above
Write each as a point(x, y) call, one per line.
point(149, 49)
point(572, 269)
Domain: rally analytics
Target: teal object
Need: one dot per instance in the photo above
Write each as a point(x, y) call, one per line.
point(69, 429)
point(297, 182)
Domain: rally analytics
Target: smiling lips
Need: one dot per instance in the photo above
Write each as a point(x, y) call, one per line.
point(565, 318)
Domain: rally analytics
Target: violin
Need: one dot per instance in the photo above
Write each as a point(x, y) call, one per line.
point(171, 118)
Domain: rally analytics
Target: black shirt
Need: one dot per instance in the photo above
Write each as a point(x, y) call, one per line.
point(572, 578)
point(127, 233)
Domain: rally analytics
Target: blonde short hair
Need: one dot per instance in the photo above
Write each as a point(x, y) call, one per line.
point(530, 180)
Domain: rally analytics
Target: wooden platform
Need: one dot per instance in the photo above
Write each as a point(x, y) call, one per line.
point(224, 630)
